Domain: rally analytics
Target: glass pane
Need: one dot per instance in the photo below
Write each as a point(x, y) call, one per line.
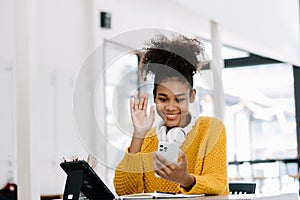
point(261, 112)
point(261, 125)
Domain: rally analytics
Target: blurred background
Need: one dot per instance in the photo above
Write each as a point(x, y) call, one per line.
point(69, 67)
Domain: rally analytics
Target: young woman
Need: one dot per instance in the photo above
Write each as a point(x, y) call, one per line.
point(202, 164)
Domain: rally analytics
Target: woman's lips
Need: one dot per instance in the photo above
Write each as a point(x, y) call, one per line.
point(171, 116)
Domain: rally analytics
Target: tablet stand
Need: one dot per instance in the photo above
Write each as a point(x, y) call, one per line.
point(83, 182)
point(73, 185)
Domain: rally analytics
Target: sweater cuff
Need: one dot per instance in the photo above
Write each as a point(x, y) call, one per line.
point(198, 188)
point(204, 186)
point(131, 163)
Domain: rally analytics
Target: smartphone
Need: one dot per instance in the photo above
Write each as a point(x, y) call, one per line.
point(169, 150)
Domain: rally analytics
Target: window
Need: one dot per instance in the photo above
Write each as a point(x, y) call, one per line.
point(261, 106)
point(261, 125)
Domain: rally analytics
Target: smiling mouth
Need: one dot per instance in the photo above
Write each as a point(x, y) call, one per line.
point(171, 116)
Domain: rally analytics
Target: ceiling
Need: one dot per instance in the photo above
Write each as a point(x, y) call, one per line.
point(265, 27)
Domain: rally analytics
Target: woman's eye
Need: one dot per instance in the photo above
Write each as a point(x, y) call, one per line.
point(162, 99)
point(180, 100)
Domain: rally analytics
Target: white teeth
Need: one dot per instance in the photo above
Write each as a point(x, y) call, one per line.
point(171, 116)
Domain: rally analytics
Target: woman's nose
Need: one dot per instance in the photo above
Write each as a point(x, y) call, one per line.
point(171, 105)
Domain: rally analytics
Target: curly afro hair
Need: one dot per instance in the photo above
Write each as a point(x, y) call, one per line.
point(178, 57)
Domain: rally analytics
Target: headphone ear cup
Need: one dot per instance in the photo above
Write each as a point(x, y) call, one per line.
point(163, 134)
point(176, 135)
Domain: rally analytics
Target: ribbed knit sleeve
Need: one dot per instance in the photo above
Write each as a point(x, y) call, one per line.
point(128, 177)
point(129, 174)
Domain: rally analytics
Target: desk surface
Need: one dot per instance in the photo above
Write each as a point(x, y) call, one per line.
point(286, 196)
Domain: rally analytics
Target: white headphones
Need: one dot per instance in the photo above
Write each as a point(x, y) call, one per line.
point(176, 134)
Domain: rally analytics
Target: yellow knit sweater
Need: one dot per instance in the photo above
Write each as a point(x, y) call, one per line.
point(205, 150)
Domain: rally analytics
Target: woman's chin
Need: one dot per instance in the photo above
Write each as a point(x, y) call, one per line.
point(171, 124)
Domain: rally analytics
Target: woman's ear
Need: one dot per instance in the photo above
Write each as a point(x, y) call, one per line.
point(193, 96)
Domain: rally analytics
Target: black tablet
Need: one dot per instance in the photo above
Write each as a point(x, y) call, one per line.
point(82, 178)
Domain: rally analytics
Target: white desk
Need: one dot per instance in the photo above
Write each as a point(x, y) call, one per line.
point(286, 196)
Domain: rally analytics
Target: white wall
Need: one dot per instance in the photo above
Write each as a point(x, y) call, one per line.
point(137, 14)
point(61, 43)
point(7, 108)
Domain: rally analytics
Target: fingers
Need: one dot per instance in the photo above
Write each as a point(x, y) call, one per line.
point(88, 158)
point(131, 106)
point(136, 101)
point(94, 164)
point(90, 162)
point(144, 98)
point(142, 103)
point(164, 168)
point(152, 113)
point(161, 159)
point(160, 163)
point(181, 154)
point(139, 103)
point(74, 158)
point(161, 173)
point(182, 159)
point(159, 166)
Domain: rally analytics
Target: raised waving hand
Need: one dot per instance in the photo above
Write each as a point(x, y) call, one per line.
point(142, 122)
point(138, 110)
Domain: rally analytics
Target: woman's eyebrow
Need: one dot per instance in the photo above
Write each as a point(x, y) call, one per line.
point(177, 95)
point(162, 94)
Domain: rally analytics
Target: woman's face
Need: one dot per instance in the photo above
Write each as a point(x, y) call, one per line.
point(172, 102)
